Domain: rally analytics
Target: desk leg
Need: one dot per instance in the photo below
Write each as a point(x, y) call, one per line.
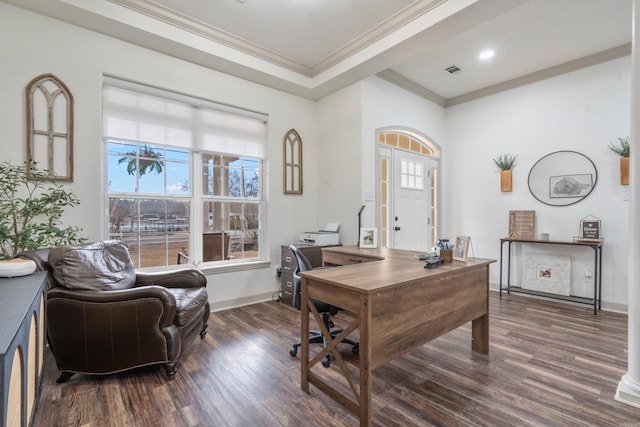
point(304, 332)
point(365, 363)
point(480, 334)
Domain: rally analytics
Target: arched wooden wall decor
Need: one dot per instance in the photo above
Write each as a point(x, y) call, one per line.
point(50, 126)
point(292, 163)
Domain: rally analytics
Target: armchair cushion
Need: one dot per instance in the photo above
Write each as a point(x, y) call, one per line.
point(189, 302)
point(100, 266)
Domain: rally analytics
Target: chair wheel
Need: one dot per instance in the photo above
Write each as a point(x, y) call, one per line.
point(326, 361)
point(293, 351)
point(356, 349)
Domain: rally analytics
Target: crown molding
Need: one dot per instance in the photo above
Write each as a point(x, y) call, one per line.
point(174, 18)
point(377, 33)
point(547, 73)
point(413, 87)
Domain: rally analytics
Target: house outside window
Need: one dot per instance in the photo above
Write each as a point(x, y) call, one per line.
point(173, 196)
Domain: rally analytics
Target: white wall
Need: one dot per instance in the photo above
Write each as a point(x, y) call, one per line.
point(339, 161)
point(582, 111)
point(80, 58)
point(387, 105)
point(347, 124)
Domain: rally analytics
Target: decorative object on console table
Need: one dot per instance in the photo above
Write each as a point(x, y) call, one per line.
point(623, 151)
point(461, 248)
point(505, 163)
point(17, 267)
point(522, 225)
point(590, 230)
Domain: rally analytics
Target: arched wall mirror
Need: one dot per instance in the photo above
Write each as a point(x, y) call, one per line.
point(562, 178)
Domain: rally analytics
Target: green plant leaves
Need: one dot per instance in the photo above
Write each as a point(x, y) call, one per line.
point(623, 148)
point(31, 209)
point(505, 161)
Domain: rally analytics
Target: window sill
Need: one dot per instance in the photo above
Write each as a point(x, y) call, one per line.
point(217, 268)
point(231, 267)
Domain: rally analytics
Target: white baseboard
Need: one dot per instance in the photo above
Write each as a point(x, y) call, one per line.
point(606, 306)
point(240, 302)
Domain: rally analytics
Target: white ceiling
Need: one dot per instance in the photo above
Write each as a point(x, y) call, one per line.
point(313, 47)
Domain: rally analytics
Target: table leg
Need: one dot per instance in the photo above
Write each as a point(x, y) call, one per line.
point(304, 333)
point(365, 363)
point(480, 334)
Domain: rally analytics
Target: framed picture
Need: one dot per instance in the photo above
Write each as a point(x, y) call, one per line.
point(368, 237)
point(461, 248)
point(570, 185)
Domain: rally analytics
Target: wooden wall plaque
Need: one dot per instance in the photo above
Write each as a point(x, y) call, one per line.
point(522, 225)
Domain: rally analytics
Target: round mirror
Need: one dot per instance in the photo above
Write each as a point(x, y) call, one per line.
point(562, 178)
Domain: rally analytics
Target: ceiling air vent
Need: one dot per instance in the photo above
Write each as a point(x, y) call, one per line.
point(452, 69)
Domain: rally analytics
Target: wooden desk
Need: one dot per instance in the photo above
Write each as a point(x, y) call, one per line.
point(399, 306)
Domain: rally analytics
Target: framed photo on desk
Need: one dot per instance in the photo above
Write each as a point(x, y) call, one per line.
point(368, 238)
point(461, 248)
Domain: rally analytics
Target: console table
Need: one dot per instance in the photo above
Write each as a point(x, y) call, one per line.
point(597, 268)
point(21, 347)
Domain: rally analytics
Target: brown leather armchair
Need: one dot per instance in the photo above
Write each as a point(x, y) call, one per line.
point(104, 317)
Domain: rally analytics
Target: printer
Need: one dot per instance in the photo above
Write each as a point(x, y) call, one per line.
point(328, 236)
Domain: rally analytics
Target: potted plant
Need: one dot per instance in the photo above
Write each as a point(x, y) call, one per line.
point(622, 149)
point(31, 205)
point(505, 163)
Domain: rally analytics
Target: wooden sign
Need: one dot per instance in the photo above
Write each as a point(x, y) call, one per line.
point(522, 225)
point(590, 229)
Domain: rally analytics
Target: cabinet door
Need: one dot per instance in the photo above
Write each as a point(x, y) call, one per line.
point(287, 288)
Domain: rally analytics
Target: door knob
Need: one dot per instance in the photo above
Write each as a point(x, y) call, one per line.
point(396, 228)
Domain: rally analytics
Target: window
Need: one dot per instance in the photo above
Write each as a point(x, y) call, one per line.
point(411, 175)
point(184, 177)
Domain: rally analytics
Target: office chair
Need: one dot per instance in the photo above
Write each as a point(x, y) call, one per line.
point(327, 310)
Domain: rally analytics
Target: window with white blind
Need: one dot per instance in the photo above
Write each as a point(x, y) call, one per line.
point(184, 176)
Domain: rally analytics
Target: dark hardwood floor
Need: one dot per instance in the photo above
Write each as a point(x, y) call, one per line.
point(551, 364)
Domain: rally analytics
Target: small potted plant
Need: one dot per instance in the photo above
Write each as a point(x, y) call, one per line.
point(505, 163)
point(622, 149)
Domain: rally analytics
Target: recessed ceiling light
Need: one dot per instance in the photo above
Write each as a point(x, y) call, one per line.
point(486, 54)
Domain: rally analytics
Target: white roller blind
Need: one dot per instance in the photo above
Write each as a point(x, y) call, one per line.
point(148, 115)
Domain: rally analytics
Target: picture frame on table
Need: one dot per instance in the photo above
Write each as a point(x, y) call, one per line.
point(461, 248)
point(368, 237)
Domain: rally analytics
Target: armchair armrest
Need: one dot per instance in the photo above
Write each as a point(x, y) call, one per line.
point(152, 295)
point(185, 278)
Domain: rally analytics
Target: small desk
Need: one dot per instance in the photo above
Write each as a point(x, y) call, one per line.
point(399, 306)
point(597, 268)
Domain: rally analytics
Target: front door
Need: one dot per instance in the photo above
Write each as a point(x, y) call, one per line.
point(410, 202)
